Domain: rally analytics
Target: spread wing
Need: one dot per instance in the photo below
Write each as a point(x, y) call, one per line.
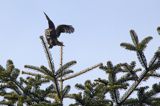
point(64, 29)
point(50, 23)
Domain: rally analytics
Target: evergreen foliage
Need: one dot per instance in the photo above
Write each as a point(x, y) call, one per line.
point(43, 85)
point(114, 85)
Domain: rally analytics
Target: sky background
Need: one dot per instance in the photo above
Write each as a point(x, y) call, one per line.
point(100, 27)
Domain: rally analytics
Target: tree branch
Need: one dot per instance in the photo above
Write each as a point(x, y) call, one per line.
point(82, 72)
point(51, 65)
point(131, 89)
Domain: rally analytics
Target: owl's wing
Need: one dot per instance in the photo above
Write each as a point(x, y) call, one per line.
point(50, 23)
point(64, 29)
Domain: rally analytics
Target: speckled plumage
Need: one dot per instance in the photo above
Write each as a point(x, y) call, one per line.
point(52, 33)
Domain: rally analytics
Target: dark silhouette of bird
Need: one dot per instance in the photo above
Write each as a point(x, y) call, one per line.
point(158, 30)
point(53, 33)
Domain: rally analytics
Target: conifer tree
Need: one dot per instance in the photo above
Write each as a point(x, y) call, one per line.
point(44, 86)
point(114, 84)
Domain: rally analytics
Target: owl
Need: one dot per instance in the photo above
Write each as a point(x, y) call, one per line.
point(52, 33)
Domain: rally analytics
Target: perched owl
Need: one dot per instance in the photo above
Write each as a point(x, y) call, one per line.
point(53, 33)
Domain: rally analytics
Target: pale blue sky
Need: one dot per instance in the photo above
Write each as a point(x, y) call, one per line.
point(100, 26)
